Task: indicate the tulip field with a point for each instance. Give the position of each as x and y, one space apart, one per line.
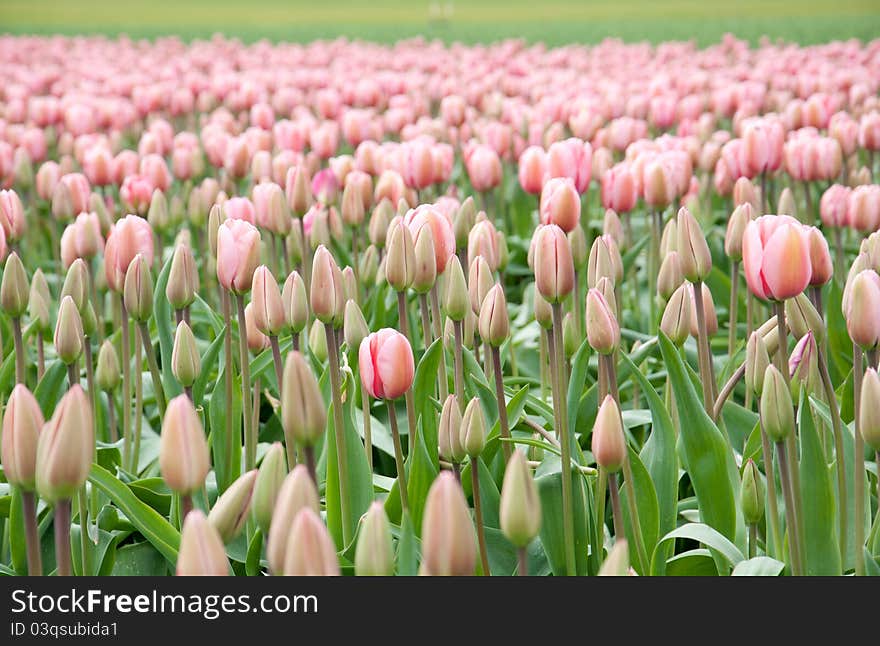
350 308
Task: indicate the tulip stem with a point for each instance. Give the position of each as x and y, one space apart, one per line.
629 483
126 384
41 356
62 537
794 541
111 418
341 455
153 366
228 369
459 363
859 468
20 366
707 372
601 486
733 312
772 506
522 561
478 516
279 369
72 374
368 434
749 317
402 315
616 511
82 509
186 506
653 267
837 428
309 454
560 408
753 540
31 533
727 390
427 336
542 358
250 433
138 403
438 334
398 457
502 406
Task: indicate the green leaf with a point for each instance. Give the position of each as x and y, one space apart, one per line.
424 382
162 317
148 522
17 543
49 390
139 559
103 555
209 364
515 406
759 566
706 451
407 549
226 454
421 472
701 533
252 563
822 551
698 562
550 491
647 509
579 368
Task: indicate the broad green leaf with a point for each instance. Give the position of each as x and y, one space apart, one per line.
647 509
424 382
420 473
703 534
698 562
209 366
51 387
139 559
407 549
226 451
17 543
759 566
550 492
515 406
103 555
252 562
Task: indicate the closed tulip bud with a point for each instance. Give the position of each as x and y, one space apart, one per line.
463 221
349 285
310 550
580 253
736 227
449 431
325 296
693 252
138 290
803 366
230 512
75 283
201 548
355 326
319 235
62 202
494 320
352 205
617 561
183 278
38 300
295 302
709 314
68 332
787 204
400 261
89 320
603 331
380 220
14 287
609 443
480 281
503 252
863 309
185 361
554 267
600 263
776 257
606 287
611 226
571 337
456 302
802 318
157 215
293 243
297 493
751 494
425 268
107 372
745 192
373 555
368 265
270 477
448 546
777 410
676 321
543 311
820 258
22 423
238 254
520 512
303 413
757 360
184 460
474 430
869 412
669 277
267 303
669 237
318 341
298 190
215 218
65 447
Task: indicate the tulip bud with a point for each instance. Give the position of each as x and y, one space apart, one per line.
379 223
230 512
464 221
736 227
14 287
325 295
676 322
802 317
617 561
669 237
298 189
355 326
310 550
215 219
352 205
494 319
474 431
609 442
693 252
543 311
295 302
183 278
571 336
787 204
579 251
303 413
107 373
62 202
449 431
777 411
757 360
22 423
270 478
138 290
267 302
373 555
520 511
751 494
448 546
669 278
709 314
425 268
201 550
600 264
293 243
554 267
603 332
400 260
611 226
65 447
75 284
38 300
368 265
349 286
157 215
863 306
318 341
820 258
803 366
869 412
480 281
297 492
186 364
68 332
89 320
184 460
456 300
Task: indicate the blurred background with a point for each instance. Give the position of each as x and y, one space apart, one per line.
552 21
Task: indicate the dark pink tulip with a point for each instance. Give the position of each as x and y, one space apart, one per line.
385 363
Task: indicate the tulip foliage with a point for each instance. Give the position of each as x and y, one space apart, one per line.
481 314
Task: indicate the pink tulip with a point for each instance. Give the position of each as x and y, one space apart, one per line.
869 131
833 205
11 216
47 178
390 186
483 168
136 193
325 186
126 162
571 158
130 236
441 232
762 146
483 241
385 363
560 204
238 254
80 191
155 168
532 168
863 208
81 239
98 166
820 257
776 257
418 171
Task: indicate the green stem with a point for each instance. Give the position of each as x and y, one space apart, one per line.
733 312
250 434
398 457
426 320
438 334
459 363
522 561
228 369
707 372
368 435
126 385
309 454
341 455
601 486
840 463
478 517
31 533
111 418
772 506
634 514
616 512
502 406
753 540
153 366
790 513
560 408
20 365
82 505
62 538
859 452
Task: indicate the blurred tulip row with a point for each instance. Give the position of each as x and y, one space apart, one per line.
341 308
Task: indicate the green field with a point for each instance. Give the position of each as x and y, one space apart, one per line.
554 22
